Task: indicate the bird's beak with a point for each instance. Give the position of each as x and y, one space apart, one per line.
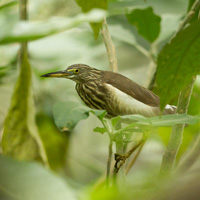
59 74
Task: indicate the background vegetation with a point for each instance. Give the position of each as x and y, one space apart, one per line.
50 143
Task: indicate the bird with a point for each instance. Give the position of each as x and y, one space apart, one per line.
113 92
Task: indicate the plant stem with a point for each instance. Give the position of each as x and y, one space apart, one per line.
110 152
23 16
195 7
109 162
177 131
109 46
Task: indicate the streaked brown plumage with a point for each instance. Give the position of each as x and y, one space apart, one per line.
113 92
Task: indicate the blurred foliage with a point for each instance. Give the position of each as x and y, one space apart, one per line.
59 35
30 181
55 142
87 5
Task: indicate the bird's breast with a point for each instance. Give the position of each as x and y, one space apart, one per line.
92 95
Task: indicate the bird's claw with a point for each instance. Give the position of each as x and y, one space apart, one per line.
120 160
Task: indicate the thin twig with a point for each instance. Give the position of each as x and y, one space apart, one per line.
177 131
23 16
134 158
120 159
109 46
189 15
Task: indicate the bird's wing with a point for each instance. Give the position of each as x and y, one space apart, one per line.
131 88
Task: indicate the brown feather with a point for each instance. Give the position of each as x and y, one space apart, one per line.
131 88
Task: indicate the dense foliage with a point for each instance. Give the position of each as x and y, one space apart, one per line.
50 142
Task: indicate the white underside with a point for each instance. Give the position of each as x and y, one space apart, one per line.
133 106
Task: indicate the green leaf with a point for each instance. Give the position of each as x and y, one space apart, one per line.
87 5
21 139
5 4
147 23
68 114
28 181
115 120
99 113
99 130
23 31
55 142
164 120
178 62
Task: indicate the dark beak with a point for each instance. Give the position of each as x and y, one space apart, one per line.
59 74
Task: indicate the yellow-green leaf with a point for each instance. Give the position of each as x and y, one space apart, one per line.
20 137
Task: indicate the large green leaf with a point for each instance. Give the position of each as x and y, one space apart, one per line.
20 136
178 62
68 114
164 120
23 31
87 5
28 181
147 23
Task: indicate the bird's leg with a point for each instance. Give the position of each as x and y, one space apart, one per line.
121 158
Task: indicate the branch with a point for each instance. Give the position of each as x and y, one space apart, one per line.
177 131
109 47
23 16
189 15
135 158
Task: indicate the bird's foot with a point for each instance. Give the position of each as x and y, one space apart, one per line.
120 160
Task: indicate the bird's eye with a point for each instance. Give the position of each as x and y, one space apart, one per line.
76 70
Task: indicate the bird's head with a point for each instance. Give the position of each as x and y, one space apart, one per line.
79 73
